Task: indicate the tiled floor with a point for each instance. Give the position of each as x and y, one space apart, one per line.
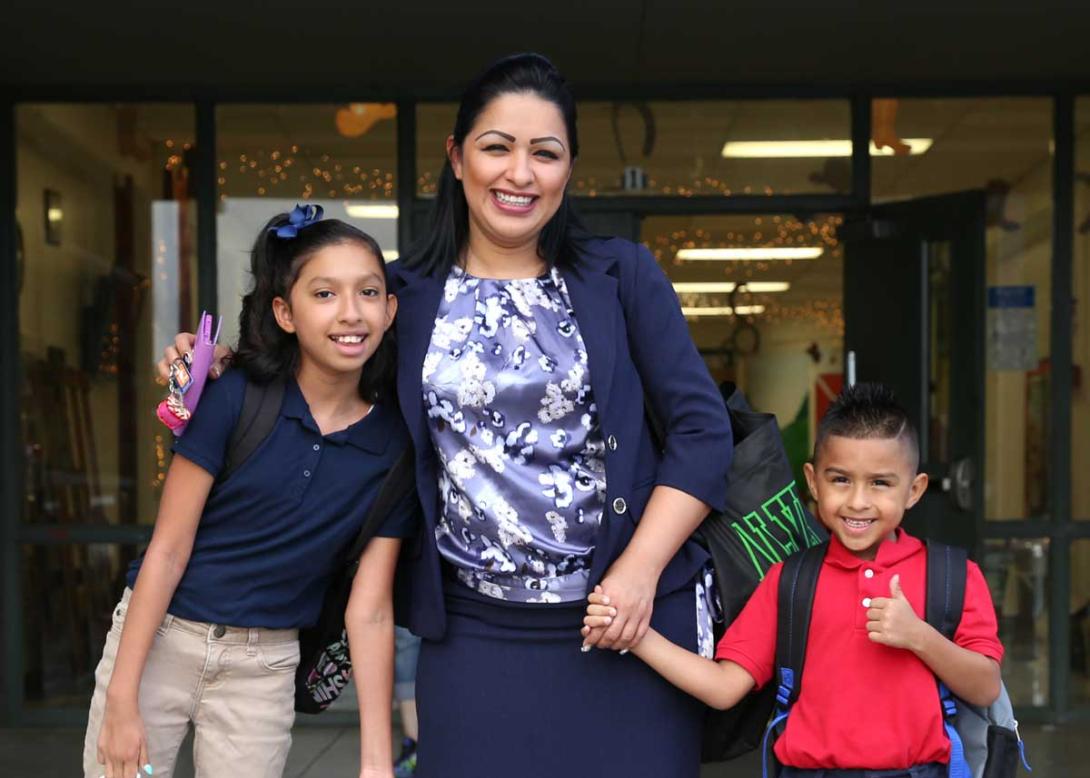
1060 752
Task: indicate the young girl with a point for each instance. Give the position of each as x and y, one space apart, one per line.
206 635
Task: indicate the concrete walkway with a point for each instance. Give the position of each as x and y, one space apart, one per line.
332 752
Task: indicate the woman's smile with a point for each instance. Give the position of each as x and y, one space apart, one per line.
513 202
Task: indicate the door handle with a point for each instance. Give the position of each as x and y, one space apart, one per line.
959 484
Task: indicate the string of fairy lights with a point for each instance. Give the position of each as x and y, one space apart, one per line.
765 232
294 171
299 171
592 186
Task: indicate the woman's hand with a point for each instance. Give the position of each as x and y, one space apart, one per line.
122 743
629 589
183 344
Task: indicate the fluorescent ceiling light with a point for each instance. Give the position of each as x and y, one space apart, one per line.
772 252
726 287
371 210
793 149
390 254
722 310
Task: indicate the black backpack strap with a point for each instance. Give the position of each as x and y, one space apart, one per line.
945 587
260 410
945 594
400 481
795 603
798 584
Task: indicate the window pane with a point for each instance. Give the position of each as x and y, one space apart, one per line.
69 592
1001 146
784 345
106 254
1080 394
434 121
692 148
689 148
270 157
1017 574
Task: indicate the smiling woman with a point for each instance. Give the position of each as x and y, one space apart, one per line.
526 349
515 177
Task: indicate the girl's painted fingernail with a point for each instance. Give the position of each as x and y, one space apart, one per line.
149 769
584 648
624 651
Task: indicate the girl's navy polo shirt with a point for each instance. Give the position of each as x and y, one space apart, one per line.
271 534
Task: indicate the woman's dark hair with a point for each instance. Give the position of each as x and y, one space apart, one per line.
560 238
265 351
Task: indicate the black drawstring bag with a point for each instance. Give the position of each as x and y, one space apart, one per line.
764 522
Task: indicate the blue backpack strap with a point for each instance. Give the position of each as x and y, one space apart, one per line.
945 601
795 603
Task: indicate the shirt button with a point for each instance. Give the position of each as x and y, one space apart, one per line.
866 602
619 505
868 573
611 441
306 474
316 447
219 631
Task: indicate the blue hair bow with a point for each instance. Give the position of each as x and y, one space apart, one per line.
301 216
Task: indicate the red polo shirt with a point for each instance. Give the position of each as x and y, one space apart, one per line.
862 705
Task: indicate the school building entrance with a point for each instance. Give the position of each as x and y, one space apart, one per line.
929 235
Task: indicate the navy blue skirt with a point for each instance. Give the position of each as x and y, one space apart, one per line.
507 692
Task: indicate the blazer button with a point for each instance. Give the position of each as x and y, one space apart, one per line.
619 506
219 631
611 441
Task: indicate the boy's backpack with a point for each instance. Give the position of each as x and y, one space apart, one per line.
325 666
984 742
764 522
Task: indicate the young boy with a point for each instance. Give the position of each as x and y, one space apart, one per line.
868 699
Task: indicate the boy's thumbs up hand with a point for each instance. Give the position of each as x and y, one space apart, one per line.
892 622
895 589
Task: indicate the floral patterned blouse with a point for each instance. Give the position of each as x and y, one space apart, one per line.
512 417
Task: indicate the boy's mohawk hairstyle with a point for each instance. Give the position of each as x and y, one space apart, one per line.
867 411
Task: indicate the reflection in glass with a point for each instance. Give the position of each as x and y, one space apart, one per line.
69 592
105 280
688 148
1018 577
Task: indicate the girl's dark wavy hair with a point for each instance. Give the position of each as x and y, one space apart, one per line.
446 237
265 351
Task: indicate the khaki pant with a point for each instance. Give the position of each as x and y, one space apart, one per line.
235 686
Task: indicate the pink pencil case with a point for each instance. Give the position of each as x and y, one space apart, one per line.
188 376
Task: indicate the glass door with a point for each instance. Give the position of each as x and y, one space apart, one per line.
914 315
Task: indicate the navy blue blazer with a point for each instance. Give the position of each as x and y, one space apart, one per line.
637 344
